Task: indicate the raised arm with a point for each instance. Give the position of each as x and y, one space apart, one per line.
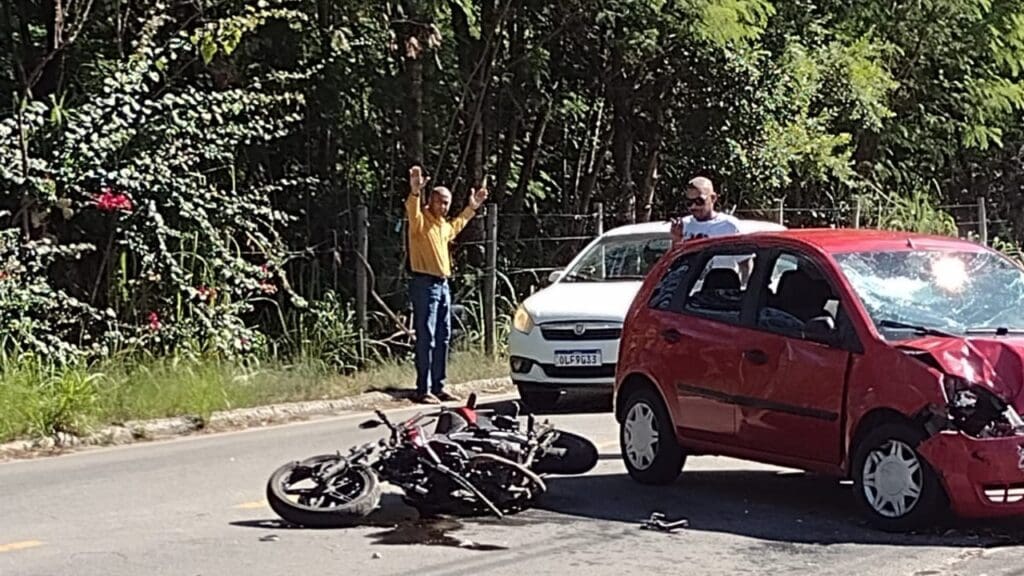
460 221
476 200
414 203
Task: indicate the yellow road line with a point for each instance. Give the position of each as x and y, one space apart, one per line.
13 546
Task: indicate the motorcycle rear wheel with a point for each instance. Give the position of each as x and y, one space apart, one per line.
351 496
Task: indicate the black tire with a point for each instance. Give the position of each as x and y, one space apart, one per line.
669 456
920 512
363 501
537 398
580 456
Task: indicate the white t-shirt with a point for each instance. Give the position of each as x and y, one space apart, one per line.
718 225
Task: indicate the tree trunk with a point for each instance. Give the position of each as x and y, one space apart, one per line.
507 153
622 142
53 64
16 56
476 60
517 205
413 50
589 186
414 112
645 196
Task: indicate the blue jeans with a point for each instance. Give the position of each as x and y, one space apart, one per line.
432 306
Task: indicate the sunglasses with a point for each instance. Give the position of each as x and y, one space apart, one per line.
698 201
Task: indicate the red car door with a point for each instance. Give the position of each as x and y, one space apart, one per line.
791 385
703 364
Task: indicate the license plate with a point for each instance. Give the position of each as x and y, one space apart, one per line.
573 358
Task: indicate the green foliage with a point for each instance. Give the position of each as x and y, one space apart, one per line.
911 211
327 334
727 21
193 246
37 316
186 183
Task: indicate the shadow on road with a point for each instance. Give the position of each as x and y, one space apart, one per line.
570 405
785 507
391 511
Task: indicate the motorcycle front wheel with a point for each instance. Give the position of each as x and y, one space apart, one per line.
297 495
579 457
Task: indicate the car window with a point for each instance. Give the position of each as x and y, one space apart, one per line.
960 292
719 290
797 292
665 291
619 258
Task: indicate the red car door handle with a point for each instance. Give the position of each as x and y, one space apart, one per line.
756 357
671 335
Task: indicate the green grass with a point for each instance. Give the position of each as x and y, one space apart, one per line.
37 399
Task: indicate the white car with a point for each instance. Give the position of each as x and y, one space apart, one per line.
565 338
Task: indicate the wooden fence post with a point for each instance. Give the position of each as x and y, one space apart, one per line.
982 221
600 217
782 211
363 249
856 213
491 279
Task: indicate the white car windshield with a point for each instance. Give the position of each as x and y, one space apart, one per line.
909 293
619 258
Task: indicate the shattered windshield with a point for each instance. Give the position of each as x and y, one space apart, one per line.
619 258
954 292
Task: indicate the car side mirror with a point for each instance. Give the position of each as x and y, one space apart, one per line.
555 276
821 329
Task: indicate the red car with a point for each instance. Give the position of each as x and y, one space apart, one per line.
892 359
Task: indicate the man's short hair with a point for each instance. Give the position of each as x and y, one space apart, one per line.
701 184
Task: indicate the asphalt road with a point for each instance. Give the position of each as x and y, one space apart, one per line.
195 506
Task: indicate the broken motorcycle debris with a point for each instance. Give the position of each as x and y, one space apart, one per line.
657 522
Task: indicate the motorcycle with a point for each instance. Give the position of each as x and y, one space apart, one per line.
474 463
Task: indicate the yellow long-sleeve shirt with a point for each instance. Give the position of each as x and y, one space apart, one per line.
429 237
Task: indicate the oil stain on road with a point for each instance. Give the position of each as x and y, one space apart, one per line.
430 532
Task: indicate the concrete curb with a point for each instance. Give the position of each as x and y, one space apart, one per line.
238 419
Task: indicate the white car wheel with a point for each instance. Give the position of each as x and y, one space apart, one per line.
894 484
892 479
641 436
647 439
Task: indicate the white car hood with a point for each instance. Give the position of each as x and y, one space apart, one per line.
575 301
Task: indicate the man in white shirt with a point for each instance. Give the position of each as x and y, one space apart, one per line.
703 221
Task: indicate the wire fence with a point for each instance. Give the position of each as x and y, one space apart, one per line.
369 258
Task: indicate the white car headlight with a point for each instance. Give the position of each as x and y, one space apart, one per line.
522 321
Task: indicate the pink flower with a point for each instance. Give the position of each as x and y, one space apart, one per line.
267 288
154 321
205 294
110 201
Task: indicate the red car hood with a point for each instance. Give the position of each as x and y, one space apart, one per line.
995 363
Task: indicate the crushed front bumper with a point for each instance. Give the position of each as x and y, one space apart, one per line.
983 477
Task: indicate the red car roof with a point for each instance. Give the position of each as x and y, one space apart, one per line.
840 240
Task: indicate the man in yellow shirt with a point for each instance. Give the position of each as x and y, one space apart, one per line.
430 233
